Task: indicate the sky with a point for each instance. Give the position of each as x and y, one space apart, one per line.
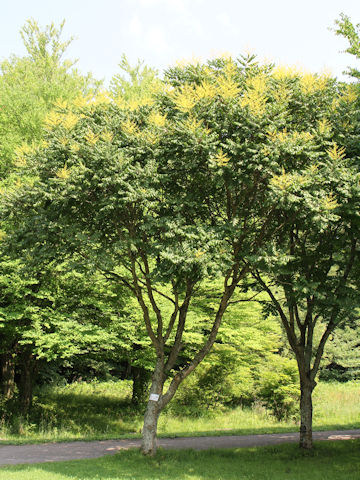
160 32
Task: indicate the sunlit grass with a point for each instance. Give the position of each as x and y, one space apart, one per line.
100 410
328 460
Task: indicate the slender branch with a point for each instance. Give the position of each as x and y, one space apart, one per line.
154 305
146 316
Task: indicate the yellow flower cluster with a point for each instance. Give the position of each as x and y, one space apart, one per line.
91 137
157 119
67 120
20 154
205 90
193 125
107 136
336 152
324 127
184 98
227 85
283 181
289 137
285 72
129 127
255 97
63 173
350 95
221 158
330 202
310 83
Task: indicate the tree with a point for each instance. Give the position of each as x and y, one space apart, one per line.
352 34
160 198
182 188
30 85
307 268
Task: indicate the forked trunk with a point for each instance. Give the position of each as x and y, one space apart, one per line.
306 410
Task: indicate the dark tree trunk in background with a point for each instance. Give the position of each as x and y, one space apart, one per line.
7 375
26 381
141 383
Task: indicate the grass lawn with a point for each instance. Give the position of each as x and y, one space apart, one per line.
328 460
90 411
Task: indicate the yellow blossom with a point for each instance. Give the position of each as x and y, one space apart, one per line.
63 173
284 72
184 98
61 104
43 144
205 90
53 119
283 181
149 137
336 152
350 95
79 102
227 84
330 202
324 127
102 98
157 119
255 97
221 158
69 121
120 102
91 137
129 127
199 253
107 136
63 141
192 124
310 83
75 147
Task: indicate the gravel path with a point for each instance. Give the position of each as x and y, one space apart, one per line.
55 452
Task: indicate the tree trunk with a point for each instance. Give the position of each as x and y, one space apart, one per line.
141 380
7 375
153 410
26 381
306 411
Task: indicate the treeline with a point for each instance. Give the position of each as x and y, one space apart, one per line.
136 222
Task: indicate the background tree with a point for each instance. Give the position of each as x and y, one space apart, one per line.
30 85
346 29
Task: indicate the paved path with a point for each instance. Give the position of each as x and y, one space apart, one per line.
55 452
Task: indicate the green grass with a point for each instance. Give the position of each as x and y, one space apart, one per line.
90 411
330 460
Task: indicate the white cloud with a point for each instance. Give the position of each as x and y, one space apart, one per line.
135 26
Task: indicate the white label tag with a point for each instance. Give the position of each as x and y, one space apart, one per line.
154 397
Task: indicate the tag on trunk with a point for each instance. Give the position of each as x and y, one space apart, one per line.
154 397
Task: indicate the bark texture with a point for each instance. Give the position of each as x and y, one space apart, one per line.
7 375
153 410
306 411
